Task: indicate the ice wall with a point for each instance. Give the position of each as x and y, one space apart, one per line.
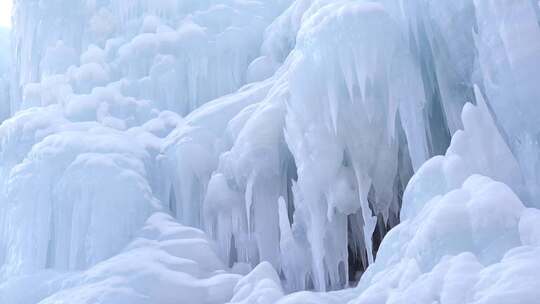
293 134
368 93
466 236
508 66
79 167
4 73
178 54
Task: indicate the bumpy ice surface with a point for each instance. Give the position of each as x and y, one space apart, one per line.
270 151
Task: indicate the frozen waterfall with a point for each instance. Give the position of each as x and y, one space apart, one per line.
270 151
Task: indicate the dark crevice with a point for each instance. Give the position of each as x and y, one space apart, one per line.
49 262
233 253
437 126
172 201
291 170
380 231
310 285
357 254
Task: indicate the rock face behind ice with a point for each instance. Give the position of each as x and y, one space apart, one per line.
291 135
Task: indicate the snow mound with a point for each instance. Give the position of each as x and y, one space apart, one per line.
164 260
464 238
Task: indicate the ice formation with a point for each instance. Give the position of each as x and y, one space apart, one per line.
4 75
270 151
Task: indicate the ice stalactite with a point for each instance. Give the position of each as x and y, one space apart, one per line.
408 80
337 170
298 137
164 259
47 198
308 121
178 54
446 203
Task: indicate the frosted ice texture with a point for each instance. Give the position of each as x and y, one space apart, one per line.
291 135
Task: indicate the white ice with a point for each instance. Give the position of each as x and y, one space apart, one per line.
270 151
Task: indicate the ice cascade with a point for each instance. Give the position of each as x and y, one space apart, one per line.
270 151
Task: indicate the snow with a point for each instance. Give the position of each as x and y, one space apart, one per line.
270 151
260 286
165 259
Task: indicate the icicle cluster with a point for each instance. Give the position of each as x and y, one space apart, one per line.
293 135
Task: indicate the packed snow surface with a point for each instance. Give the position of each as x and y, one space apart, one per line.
270 151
